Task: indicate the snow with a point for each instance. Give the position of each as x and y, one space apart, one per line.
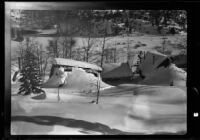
146 108
49 31
161 75
74 63
78 79
60 130
116 72
119 42
164 76
148 65
154 109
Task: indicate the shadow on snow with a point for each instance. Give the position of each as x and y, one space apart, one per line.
86 127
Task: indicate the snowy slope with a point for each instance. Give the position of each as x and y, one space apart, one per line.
125 109
152 109
153 42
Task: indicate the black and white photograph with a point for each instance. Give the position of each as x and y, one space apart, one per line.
79 71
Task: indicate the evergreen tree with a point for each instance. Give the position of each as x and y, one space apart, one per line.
31 78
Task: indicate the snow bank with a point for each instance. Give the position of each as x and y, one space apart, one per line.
166 76
57 78
78 79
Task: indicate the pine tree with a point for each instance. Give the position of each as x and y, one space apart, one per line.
31 78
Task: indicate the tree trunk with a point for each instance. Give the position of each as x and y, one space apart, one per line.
56 44
114 55
87 54
88 49
70 48
103 48
41 63
38 56
64 49
45 66
19 63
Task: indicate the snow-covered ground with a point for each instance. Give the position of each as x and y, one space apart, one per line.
149 107
126 109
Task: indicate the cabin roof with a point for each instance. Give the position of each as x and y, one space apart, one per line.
75 63
117 71
154 52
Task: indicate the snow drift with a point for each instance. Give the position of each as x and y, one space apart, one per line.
153 109
171 75
158 70
56 79
78 79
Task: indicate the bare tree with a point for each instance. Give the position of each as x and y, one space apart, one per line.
67 27
53 49
88 30
88 45
106 31
103 50
110 54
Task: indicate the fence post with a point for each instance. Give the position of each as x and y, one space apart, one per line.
98 88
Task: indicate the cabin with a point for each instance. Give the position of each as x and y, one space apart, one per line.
68 64
74 75
152 61
116 72
140 63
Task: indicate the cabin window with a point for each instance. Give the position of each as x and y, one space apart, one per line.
92 72
68 69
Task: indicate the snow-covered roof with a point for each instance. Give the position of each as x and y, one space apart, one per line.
49 31
75 63
174 26
110 66
120 71
156 53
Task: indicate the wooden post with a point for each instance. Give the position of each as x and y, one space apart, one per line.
98 88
